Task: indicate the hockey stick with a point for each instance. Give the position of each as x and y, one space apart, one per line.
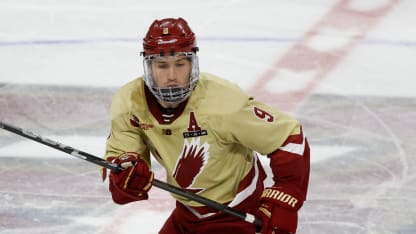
162 185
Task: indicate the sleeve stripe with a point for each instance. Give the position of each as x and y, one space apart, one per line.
295 148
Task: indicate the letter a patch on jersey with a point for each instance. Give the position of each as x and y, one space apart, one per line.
194 130
190 163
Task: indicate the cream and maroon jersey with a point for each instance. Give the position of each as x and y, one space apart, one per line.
208 148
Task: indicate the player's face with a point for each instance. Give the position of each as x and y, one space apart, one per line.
171 71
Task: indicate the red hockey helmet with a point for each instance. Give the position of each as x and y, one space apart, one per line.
168 36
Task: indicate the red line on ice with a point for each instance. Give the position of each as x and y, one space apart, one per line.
316 63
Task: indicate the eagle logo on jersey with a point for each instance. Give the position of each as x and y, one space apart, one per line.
190 163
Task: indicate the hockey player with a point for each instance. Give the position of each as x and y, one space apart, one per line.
206 133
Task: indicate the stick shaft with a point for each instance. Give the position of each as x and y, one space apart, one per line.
102 162
61 147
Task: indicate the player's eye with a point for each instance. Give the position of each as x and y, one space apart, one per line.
162 65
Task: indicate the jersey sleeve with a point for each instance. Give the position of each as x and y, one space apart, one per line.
280 137
258 126
273 133
290 164
123 137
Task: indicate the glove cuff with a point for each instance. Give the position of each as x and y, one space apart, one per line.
284 197
122 197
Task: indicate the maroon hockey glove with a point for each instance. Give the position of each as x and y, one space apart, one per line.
279 210
133 183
